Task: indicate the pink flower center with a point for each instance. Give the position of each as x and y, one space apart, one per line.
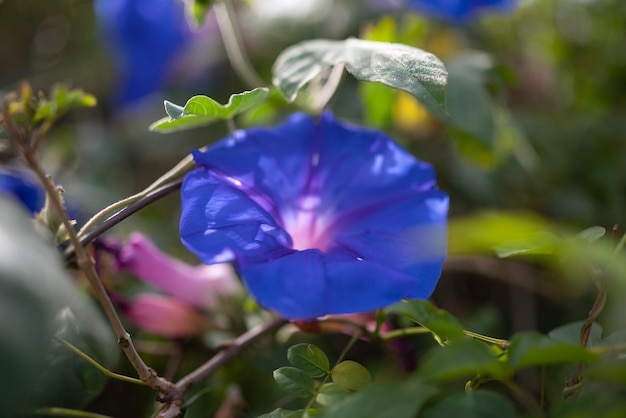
306 226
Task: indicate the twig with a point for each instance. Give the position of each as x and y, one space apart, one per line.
123 214
403 332
85 263
182 167
174 398
97 365
225 14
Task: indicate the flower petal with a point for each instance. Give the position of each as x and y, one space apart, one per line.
409 236
460 10
309 284
18 184
220 223
166 316
201 286
322 217
272 165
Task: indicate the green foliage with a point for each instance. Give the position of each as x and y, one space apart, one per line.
399 66
284 413
69 381
37 297
398 399
444 326
62 99
295 381
309 358
202 110
331 393
462 358
351 375
472 404
196 11
533 349
40 111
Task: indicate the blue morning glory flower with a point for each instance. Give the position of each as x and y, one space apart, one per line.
320 216
460 10
144 37
19 185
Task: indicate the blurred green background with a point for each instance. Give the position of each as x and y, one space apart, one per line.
538 124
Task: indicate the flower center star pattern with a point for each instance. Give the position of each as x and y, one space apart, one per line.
320 216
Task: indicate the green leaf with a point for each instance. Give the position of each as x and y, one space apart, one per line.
69 381
467 100
295 381
351 375
309 358
605 402
571 333
284 413
532 349
395 65
34 289
612 371
441 323
461 359
616 337
61 100
592 233
472 404
505 233
331 393
398 400
202 111
197 10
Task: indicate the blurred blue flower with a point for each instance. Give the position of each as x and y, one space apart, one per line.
19 185
143 37
460 10
321 217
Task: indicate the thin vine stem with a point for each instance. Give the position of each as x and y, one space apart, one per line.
123 214
422 330
97 365
226 21
180 169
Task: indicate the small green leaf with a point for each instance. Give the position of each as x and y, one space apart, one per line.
295 381
331 393
61 100
439 322
461 358
571 333
197 10
351 375
398 400
310 359
173 110
202 111
284 413
396 65
472 404
532 349
70 381
592 233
